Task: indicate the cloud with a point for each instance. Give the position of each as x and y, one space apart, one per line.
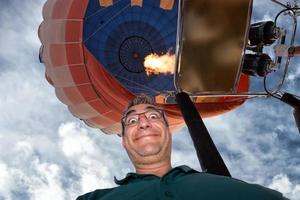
282 183
6 182
257 142
19 23
46 183
46 153
85 158
75 141
251 140
26 176
293 76
260 13
58 169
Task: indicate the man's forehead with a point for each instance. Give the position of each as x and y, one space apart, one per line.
140 108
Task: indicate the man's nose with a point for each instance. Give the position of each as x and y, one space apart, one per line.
143 122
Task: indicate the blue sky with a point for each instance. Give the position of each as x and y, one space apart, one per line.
46 153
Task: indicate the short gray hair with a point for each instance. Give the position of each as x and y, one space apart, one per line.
141 99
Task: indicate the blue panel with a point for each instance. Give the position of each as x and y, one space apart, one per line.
120 36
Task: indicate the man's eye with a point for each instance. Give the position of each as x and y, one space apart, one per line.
153 116
131 121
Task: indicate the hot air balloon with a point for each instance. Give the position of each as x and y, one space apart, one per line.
94 53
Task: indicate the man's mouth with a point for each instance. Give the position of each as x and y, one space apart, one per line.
145 135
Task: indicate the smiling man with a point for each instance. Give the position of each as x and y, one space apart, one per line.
147 139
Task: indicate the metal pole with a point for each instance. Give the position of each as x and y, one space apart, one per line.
208 155
293 101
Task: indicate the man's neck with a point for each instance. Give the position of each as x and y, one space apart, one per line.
155 169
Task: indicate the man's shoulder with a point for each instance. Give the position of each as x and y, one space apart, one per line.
241 188
97 194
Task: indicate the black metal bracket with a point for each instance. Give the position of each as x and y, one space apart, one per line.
208 155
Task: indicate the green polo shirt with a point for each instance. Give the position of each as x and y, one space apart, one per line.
182 183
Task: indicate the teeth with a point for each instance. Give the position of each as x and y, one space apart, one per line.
141 136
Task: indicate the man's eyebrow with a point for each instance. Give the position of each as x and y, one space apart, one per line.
130 111
151 107
134 111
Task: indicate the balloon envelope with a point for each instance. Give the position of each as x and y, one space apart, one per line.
94 52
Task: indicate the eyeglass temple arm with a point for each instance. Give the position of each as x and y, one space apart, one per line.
207 153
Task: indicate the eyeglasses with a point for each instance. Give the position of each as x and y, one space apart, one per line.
133 119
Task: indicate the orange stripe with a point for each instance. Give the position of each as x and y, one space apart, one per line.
79 74
65 9
99 122
54 31
69 96
105 3
60 76
67 76
74 31
137 3
88 92
78 9
76 94
167 4
59 92
113 129
63 54
83 111
88 110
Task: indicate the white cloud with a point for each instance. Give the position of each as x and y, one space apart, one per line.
45 153
41 168
282 183
6 182
75 140
295 74
46 183
36 179
19 24
88 160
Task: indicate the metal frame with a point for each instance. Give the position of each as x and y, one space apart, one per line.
294 14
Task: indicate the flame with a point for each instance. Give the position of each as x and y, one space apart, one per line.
156 64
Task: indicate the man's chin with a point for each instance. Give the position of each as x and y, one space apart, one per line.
148 150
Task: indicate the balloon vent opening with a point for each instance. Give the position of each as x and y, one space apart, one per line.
132 53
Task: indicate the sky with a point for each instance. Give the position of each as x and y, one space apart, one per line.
46 153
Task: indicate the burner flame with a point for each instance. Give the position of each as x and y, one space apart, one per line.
160 64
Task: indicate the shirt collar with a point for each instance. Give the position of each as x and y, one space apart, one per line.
134 176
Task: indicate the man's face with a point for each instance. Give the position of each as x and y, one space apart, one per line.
146 140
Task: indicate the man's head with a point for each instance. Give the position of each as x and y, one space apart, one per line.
146 135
